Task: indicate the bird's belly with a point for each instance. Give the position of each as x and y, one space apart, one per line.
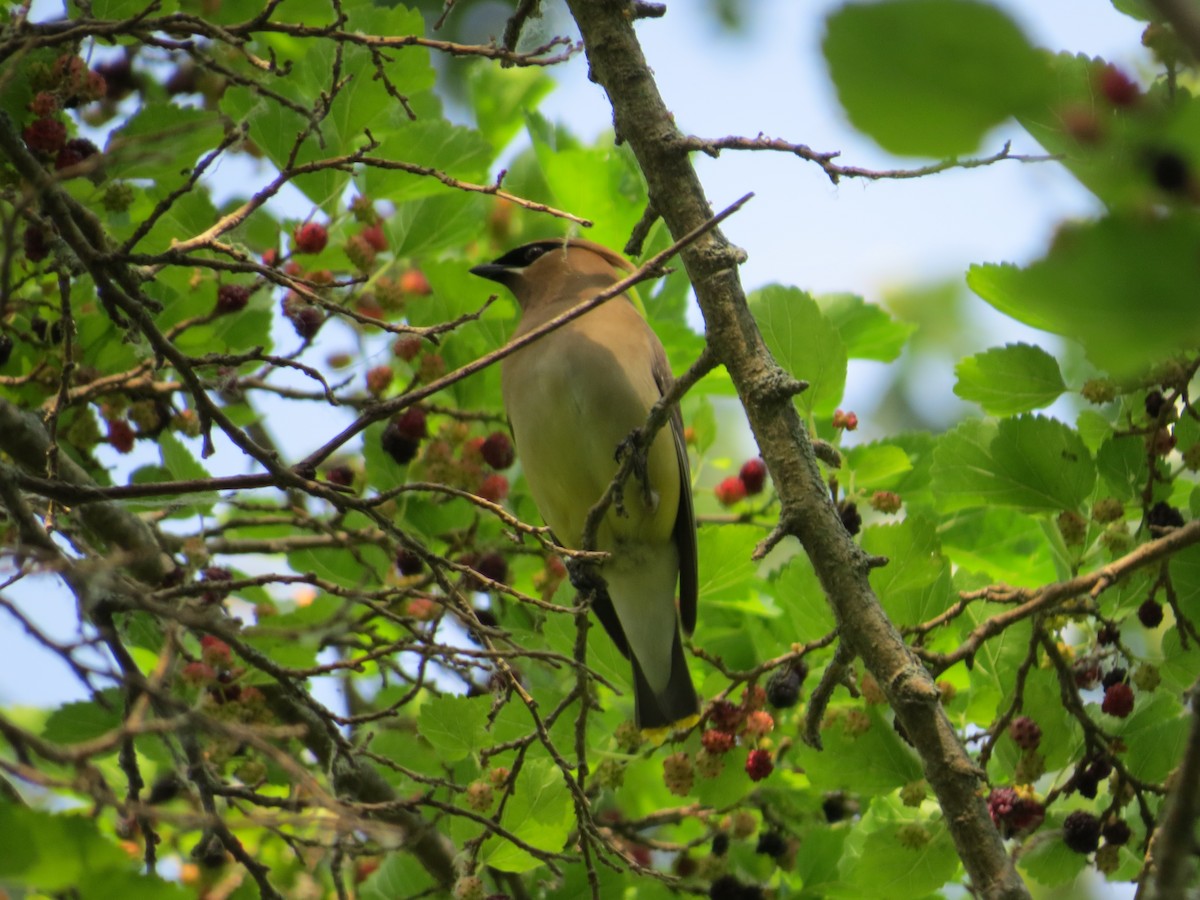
567 429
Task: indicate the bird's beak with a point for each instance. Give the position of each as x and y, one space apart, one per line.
492 272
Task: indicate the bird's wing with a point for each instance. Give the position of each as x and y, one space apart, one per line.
685 516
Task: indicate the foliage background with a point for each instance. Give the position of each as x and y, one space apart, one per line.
1000 522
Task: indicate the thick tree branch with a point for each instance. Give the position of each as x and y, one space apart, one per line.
643 120
24 439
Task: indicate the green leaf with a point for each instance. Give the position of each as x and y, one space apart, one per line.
875 467
726 569
1137 9
1029 462
805 342
601 183
160 144
540 813
931 77
501 97
1156 733
54 852
456 726
434 144
915 585
874 761
1051 862
1121 462
74 723
1005 544
1082 289
426 226
876 862
866 329
1015 378
400 875
800 593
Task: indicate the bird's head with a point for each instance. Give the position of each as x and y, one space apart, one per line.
556 268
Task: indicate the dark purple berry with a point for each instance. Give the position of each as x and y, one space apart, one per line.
850 517
232 298
1115 676
1150 613
720 844
408 563
1116 832
497 450
37 245
726 888
1012 813
1087 785
771 843
783 687
74 152
1118 701
398 445
1154 403
6 349
1108 634
1170 173
343 476
1163 515
411 423
836 807
1081 831
493 566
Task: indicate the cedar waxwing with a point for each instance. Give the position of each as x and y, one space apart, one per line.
572 397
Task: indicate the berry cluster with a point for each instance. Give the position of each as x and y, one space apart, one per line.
749 481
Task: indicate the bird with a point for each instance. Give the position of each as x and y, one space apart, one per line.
572 398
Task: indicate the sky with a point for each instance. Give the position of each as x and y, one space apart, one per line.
861 237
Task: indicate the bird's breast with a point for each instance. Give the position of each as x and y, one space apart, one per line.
571 400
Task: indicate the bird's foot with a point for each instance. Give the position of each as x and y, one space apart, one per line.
634 447
585 577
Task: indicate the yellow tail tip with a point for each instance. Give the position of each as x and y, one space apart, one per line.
657 736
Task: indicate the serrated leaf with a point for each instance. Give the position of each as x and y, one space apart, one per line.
53 852
500 99
878 862
1082 288
876 760
867 330
875 467
456 726
1008 545
915 585
1121 462
797 589
890 65
540 813
1029 462
74 723
1051 862
726 569
1012 379
434 144
1156 733
805 343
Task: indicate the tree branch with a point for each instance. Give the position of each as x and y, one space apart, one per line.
643 120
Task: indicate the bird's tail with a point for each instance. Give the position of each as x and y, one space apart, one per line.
676 706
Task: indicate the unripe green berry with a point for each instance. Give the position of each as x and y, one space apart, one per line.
913 793
1107 509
